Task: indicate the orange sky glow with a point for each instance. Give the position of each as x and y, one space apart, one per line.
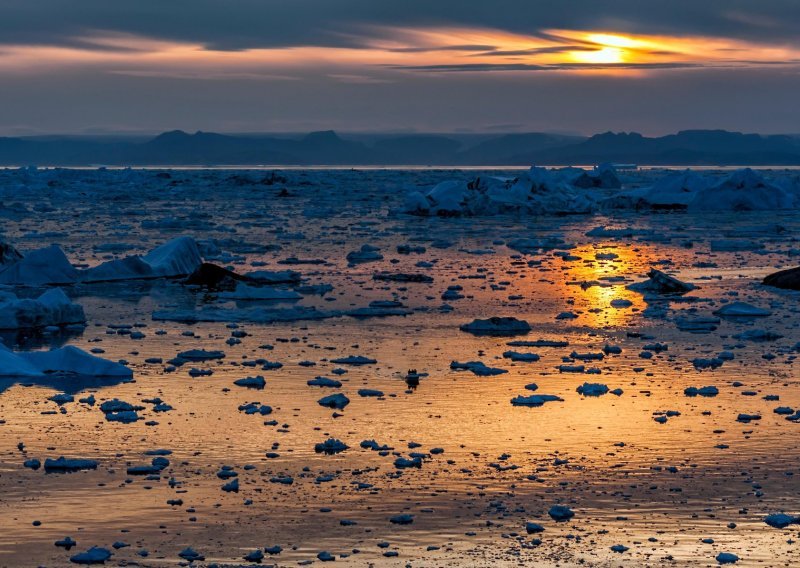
442 49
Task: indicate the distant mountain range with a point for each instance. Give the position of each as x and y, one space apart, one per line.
177 148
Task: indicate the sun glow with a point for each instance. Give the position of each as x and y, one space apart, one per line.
607 55
614 40
611 49
378 52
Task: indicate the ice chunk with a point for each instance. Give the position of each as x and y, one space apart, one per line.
477 368
367 253
535 399
354 360
727 558
323 382
702 391
53 308
337 401
330 446
560 513
781 520
497 326
520 357
660 283
63 464
94 555
592 389
741 309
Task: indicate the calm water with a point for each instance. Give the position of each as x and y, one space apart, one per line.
627 477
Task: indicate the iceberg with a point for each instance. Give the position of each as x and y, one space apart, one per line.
743 190
538 191
178 257
70 360
67 360
128 268
742 310
674 191
175 258
41 267
661 283
53 308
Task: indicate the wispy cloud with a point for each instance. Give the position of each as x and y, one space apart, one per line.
367 54
484 67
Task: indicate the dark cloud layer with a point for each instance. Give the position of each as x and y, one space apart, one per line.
240 24
469 83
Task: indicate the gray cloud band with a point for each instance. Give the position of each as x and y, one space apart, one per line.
218 24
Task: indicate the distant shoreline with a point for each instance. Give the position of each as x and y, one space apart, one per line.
388 167
329 150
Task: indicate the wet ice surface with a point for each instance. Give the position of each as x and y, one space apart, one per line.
450 472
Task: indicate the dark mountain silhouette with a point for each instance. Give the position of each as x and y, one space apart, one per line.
689 147
424 149
504 148
327 148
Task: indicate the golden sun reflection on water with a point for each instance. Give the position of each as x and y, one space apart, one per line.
596 281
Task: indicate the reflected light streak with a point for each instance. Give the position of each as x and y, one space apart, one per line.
594 297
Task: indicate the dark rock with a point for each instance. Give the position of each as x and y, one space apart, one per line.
786 279
215 277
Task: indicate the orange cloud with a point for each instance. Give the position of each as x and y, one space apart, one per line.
381 49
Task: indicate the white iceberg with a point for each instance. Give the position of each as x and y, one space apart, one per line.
53 308
128 268
41 267
538 191
12 365
67 360
743 190
742 309
674 191
178 257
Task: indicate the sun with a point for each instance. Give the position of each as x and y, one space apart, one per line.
613 40
604 55
605 49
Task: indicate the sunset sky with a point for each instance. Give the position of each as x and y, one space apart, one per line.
357 65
